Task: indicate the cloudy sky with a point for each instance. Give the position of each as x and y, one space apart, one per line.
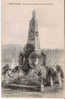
50 16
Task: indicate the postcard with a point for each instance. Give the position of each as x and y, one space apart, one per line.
32 49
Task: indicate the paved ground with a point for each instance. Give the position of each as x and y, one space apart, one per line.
48 93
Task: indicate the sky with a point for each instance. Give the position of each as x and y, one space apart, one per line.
50 17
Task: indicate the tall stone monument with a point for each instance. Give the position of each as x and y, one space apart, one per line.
33 55
33 34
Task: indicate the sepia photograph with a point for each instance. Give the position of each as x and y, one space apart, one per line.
32 49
